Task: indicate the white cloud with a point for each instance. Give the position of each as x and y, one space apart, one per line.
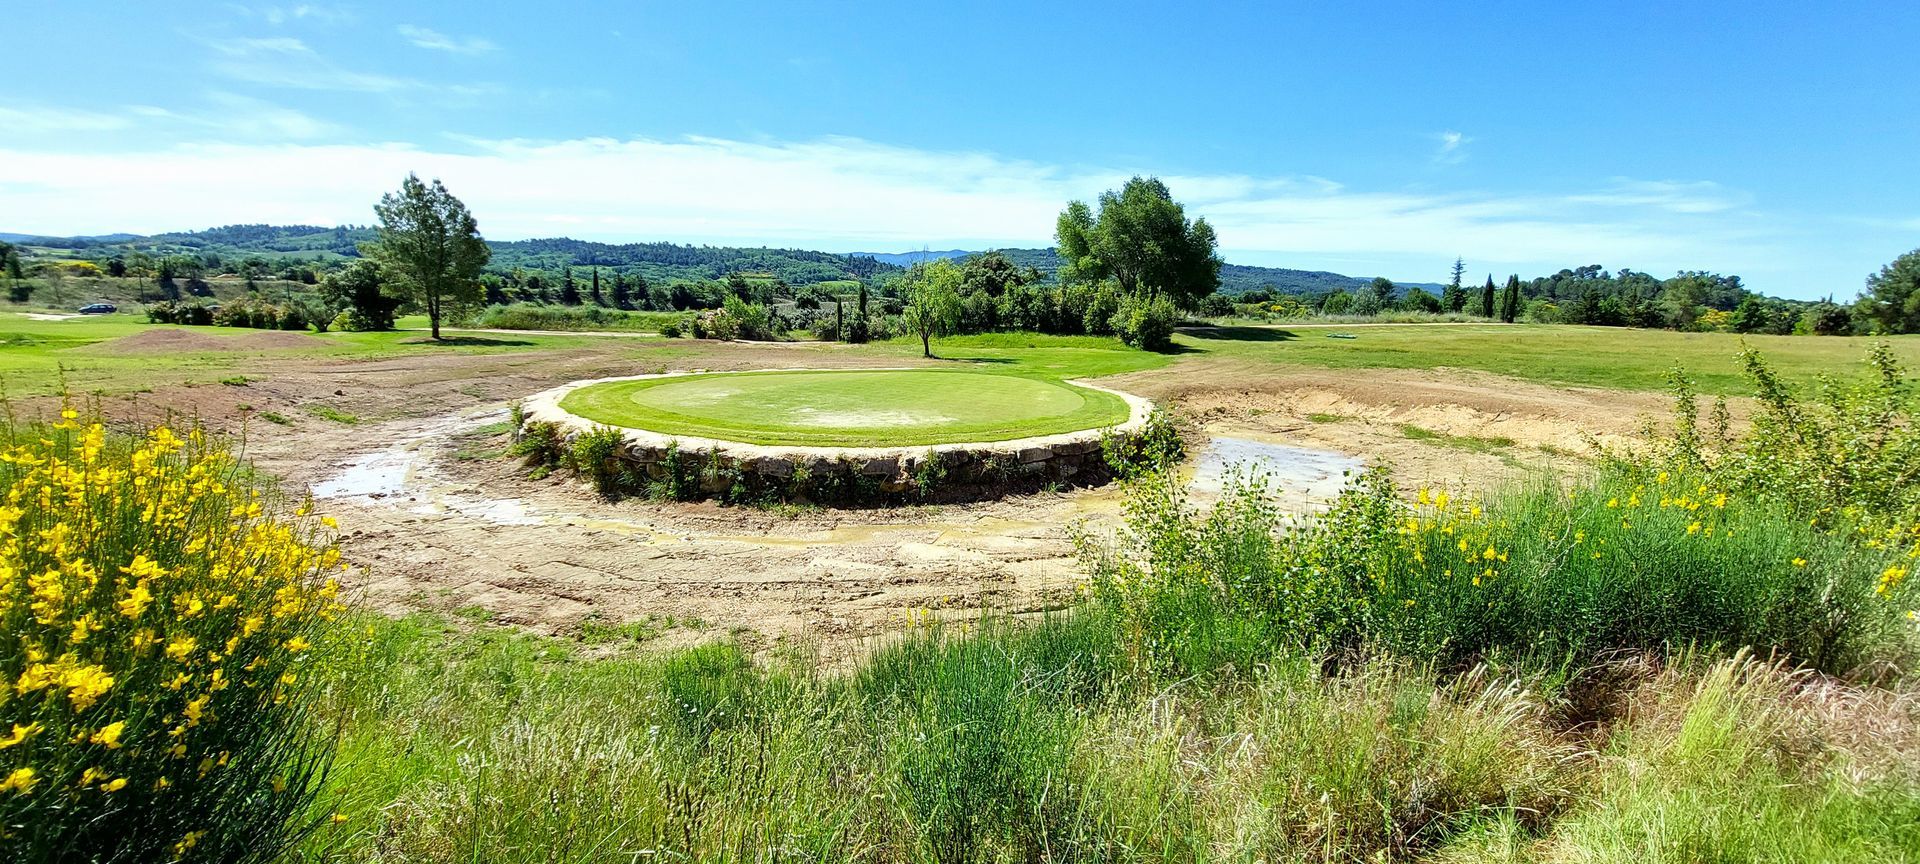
1700 196
1450 150
285 61
434 40
41 119
304 12
843 193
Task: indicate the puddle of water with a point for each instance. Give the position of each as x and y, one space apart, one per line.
1317 475
374 475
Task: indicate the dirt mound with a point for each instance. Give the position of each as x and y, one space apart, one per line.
172 340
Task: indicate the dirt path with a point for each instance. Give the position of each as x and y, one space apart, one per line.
435 519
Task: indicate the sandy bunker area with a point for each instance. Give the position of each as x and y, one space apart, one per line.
436 518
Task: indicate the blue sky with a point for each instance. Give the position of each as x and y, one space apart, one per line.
1773 140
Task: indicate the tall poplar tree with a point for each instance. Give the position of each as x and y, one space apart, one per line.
1510 300
1486 298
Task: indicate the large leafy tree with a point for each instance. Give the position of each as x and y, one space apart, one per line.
1142 239
358 289
1892 300
933 303
430 247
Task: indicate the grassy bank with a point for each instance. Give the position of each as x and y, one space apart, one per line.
1022 743
1237 687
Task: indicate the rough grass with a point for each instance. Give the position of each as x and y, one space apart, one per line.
850 408
42 358
1033 741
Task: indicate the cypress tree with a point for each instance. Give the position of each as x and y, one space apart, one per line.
569 292
621 299
1510 302
1486 298
598 298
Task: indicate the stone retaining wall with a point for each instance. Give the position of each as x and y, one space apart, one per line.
967 470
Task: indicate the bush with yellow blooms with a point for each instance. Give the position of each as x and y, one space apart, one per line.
160 614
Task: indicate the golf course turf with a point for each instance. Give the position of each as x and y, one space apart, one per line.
851 408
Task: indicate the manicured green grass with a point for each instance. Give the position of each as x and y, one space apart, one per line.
1613 357
1064 357
911 407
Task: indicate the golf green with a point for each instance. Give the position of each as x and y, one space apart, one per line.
851 408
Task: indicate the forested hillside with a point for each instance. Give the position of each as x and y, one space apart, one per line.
1235 278
657 262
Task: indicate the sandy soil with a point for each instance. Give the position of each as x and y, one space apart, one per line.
435 520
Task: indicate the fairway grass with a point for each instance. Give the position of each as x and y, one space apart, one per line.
1611 357
849 408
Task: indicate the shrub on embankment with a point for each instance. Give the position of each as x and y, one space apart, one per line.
616 468
158 614
1539 573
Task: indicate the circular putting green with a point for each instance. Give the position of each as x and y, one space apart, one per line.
851 408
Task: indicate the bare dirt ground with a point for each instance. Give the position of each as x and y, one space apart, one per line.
437 519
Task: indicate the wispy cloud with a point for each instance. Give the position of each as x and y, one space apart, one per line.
285 61
304 12
848 193
1451 149
1698 196
434 40
42 119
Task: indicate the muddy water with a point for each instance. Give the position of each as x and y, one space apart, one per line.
405 475
1298 475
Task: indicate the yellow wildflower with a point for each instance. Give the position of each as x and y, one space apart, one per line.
20 733
109 735
19 782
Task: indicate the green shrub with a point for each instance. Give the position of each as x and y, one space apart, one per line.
540 445
596 454
1849 456
1146 324
159 615
1540 573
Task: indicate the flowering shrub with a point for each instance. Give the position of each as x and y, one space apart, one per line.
157 621
1849 457
1615 564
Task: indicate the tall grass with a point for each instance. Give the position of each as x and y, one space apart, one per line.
157 615
1537 572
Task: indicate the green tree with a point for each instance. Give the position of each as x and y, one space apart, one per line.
1510 300
1682 298
1454 298
1486 298
933 302
1418 300
1892 299
1142 239
599 299
360 289
569 292
858 331
622 297
430 246
1382 289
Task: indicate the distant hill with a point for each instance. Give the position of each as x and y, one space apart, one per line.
655 261
908 259
1237 278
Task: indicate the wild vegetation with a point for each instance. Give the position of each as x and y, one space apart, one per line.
162 614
